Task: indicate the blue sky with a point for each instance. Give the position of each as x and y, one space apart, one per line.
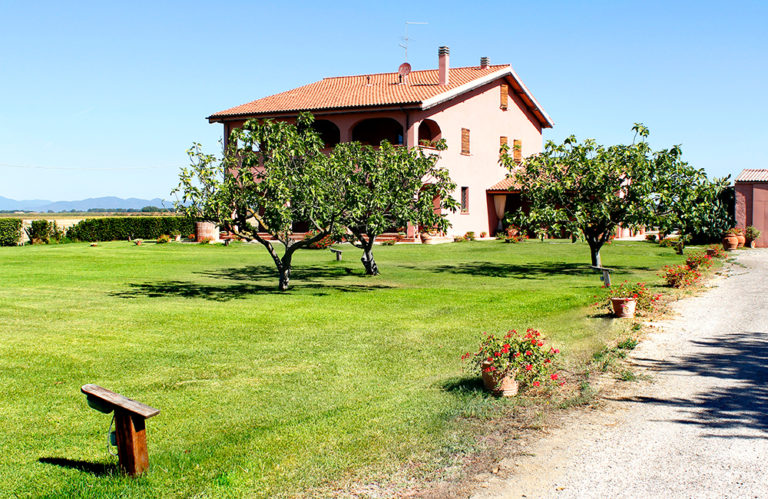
104 98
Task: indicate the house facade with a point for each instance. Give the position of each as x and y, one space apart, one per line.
475 109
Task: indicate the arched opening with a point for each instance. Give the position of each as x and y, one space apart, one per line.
429 133
328 131
372 131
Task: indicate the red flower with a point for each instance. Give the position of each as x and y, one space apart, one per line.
497 354
547 361
528 352
541 343
517 354
557 350
554 377
490 359
528 367
536 383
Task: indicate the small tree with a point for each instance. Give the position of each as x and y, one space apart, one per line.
390 186
586 189
272 175
687 201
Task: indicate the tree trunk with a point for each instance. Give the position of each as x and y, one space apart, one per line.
368 262
285 270
594 248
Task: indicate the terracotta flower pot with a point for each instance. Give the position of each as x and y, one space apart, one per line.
426 238
751 243
730 242
503 386
624 307
742 240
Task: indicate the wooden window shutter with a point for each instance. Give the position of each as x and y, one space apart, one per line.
465 199
465 141
502 142
504 95
518 148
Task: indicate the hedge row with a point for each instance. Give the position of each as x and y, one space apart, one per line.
10 231
117 228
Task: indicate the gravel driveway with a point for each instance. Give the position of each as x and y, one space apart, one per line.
698 428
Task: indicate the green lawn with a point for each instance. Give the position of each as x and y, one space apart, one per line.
265 393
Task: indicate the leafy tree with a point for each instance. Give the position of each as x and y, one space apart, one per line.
587 189
390 186
271 176
687 201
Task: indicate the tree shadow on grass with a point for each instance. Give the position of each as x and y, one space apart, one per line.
466 384
96 469
739 358
517 271
311 280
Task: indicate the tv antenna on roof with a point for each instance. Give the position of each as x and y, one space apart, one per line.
405 38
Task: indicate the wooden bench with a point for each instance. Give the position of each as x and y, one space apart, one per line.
606 277
337 253
129 425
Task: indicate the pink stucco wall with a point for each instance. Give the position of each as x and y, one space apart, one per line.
752 209
479 111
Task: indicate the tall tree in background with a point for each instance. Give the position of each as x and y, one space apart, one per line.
271 176
391 186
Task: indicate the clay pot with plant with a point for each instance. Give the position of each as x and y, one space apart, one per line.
731 239
751 234
514 361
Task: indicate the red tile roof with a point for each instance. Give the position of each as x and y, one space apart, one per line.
384 89
753 176
508 184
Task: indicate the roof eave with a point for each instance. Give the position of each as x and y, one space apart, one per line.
220 118
541 115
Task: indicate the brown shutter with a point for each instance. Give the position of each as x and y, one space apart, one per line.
465 141
518 147
502 142
504 95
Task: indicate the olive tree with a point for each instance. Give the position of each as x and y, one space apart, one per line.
390 186
272 175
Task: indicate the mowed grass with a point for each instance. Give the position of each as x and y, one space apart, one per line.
263 393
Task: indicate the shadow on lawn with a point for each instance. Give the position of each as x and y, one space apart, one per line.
739 358
527 271
467 384
96 469
306 280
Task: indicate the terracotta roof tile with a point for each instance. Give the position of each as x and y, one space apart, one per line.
753 176
507 184
373 90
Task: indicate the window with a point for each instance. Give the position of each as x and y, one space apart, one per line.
502 142
504 96
465 199
518 153
465 141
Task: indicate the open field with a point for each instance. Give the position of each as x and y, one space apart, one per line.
266 393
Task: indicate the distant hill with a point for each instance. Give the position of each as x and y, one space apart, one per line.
108 203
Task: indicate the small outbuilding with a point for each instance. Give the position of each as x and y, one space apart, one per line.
752 202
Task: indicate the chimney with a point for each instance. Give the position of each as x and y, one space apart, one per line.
485 62
442 57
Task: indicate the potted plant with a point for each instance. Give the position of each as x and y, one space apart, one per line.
741 238
751 234
176 235
731 239
628 298
514 361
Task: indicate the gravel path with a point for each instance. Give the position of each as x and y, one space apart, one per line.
699 428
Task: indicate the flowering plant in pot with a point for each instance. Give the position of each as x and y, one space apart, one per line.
515 360
680 276
627 298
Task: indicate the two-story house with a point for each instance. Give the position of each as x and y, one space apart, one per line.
475 109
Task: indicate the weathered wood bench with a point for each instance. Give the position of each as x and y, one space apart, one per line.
606 277
337 252
129 425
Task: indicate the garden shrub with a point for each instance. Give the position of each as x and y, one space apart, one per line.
43 231
323 243
388 242
470 236
650 238
699 260
680 276
669 242
117 228
10 231
164 238
644 297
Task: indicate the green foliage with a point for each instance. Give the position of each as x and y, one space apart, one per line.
751 233
698 260
10 231
386 188
163 239
680 276
651 238
645 298
43 231
324 243
470 236
272 176
117 228
669 242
